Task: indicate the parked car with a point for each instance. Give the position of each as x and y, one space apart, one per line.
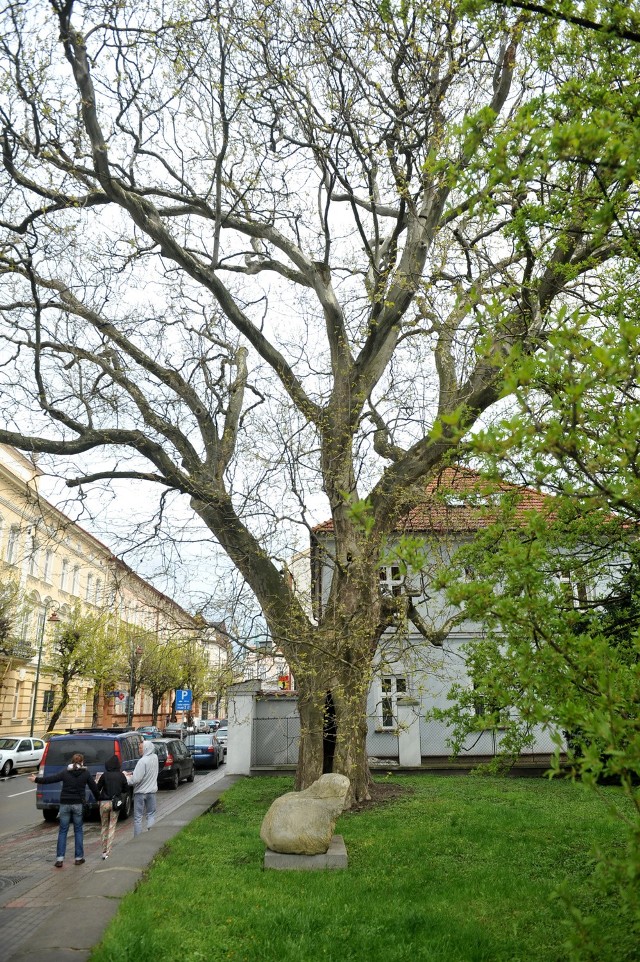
97 745
149 732
212 724
221 735
175 730
175 764
56 731
206 750
19 753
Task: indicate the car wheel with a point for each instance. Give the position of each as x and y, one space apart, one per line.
49 814
6 768
217 761
125 811
192 776
174 780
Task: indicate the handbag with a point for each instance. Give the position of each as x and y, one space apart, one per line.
116 803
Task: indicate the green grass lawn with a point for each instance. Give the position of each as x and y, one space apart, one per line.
460 869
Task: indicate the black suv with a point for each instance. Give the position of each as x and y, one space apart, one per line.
97 745
175 764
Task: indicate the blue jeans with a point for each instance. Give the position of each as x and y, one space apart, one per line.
143 801
66 814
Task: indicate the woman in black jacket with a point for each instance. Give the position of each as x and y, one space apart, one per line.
112 783
75 779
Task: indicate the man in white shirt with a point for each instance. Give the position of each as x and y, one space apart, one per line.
144 779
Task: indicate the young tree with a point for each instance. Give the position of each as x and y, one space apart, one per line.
162 672
253 252
104 663
193 668
68 655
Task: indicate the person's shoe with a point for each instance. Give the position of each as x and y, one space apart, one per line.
58 863
105 855
79 861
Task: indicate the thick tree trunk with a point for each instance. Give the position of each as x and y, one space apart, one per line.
347 692
310 754
350 756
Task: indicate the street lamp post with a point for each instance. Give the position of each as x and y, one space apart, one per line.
53 618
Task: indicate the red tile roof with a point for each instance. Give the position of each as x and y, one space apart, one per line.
459 499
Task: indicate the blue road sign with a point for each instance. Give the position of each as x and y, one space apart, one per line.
184 699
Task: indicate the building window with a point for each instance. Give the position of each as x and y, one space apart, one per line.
17 695
392 686
89 591
391 580
487 707
75 580
48 565
33 558
12 544
98 595
81 704
573 588
24 627
64 574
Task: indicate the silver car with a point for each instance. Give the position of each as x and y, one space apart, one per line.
221 735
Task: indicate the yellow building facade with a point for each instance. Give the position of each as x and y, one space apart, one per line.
52 567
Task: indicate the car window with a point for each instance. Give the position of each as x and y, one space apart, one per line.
160 750
130 746
25 745
37 743
95 750
180 750
8 743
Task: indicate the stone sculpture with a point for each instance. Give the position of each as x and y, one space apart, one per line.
302 823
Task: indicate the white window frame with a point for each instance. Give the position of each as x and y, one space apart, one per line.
577 591
81 704
89 590
16 701
34 557
12 544
64 574
48 565
391 580
75 579
391 686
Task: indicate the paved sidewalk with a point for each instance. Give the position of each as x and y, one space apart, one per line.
60 914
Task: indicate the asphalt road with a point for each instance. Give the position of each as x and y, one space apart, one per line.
17 804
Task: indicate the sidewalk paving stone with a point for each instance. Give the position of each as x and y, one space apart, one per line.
60 915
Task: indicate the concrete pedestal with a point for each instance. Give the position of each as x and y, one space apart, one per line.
334 857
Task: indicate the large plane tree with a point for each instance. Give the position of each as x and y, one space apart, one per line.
258 250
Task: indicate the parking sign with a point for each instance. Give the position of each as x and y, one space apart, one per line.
184 699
